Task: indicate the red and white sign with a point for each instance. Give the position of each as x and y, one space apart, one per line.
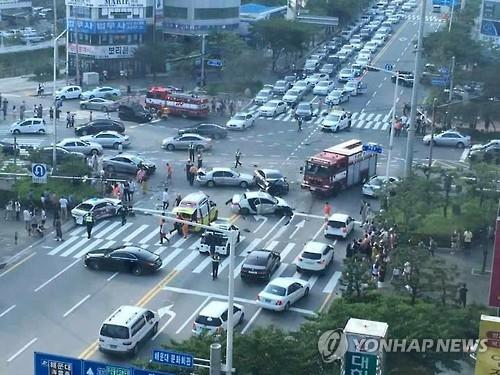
104 52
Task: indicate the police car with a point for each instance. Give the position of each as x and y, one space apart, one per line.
219 240
99 208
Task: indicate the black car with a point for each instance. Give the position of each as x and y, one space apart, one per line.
405 78
260 265
271 181
134 112
99 125
8 147
44 155
206 130
127 164
124 258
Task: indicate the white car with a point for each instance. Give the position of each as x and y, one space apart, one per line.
259 203
357 44
69 92
394 19
263 96
105 92
212 319
336 120
337 97
363 60
315 257
323 88
375 184
371 46
241 121
293 96
303 85
448 138
313 79
99 208
355 87
273 108
32 125
79 145
379 39
282 292
339 225
345 75
108 138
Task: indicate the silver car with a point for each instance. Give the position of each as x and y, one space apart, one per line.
224 176
99 104
448 138
79 145
108 139
183 141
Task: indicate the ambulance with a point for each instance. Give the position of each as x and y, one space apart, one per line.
198 208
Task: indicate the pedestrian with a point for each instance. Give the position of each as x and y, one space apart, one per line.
189 164
68 119
192 174
178 200
58 113
424 127
467 239
17 209
165 199
163 232
72 120
191 152
126 191
169 173
462 295
123 215
132 188
237 158
363 211
43 200
22 109
327 210
40 111
27 220
299 122
199 157
185 230
34 222
89 222
51 113
231 108
14 112
454 239
43 217
9 209
63 204
432 246
90 116
215 265
58 227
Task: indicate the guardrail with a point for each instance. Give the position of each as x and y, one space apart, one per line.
30 47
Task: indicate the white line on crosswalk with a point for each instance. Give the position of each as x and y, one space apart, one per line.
155 232
237 270
280 270
288 248
184 263
171 256
107 229
271 245
287 117
75 247
204 264
179 242
354 115
136 232
368 125
377 117
280 116
386 117
224 264
63 245
370 116
318 120
79 230
362 116
86 249
312 280
330 286
360 124
119 230
252 245
385 126
159 250
195 245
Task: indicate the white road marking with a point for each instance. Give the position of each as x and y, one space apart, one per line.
252 245
192 316
56 275
76 306
385 126
237 270
360 124
362 116
204 264
280 270
464 155
75 247
312 216
377 117
184 263
264 220
252 319
5 312
179 242
171 256
112 276
288 248
319 231
63 245
330 286
374 93
312 281
107 229
16 354
387 116
271 245
377 125
160 250
87 248
273 228
135 232
279 232
195 244
119 230
368 125
155 232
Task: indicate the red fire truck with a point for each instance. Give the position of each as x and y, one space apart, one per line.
339 167
172 102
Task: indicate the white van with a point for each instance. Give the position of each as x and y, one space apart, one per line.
339 225
126 329
213 318
30 125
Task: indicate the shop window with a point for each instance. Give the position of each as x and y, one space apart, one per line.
175 12
216 13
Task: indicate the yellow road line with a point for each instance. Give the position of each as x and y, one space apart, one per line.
17 264
325 302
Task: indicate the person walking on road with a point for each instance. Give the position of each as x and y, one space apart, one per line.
123 214
191 152
89 222
327 210
178 199
199 157
299 123
17 210
192 174
163 232
237 158
68 119
63 204
215 265
58 229
170 171
22 109
185 230
27 220
165 199
462 295
189 164
467 239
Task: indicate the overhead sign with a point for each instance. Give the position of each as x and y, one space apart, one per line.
107 3
173 358
372 147
106 27
104 52
39 173
452 3
440 81
388 67
51 364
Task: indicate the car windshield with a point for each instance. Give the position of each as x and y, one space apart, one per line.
376 181
275 289
208 321
308 255
317 170
280 83
323 84
143 254
345 71
114 331
239 117
294 92
304 107
335 94
273 175
85 206
336 224
333 118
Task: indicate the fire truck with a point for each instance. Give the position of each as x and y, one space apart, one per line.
172 102
339 167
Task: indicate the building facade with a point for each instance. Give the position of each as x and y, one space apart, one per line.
200 16
489 23
104 34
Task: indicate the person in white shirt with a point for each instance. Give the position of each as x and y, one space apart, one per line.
165 199
63 204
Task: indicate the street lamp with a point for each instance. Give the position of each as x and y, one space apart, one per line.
54 154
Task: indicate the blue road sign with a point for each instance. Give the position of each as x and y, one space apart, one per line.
39 173
50 364
372 147
443 70
439 81
96 368
389 67
150 372
215 63
172 358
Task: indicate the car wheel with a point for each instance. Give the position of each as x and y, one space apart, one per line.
84 132
62 97
200 148
243 184
242 316
94 266
103 108
170 147
460 145
110 169
41 131
306 292
94 152
210 183
116 146
287 306
299 270
16 131
83 106
244 211
137 270
91 97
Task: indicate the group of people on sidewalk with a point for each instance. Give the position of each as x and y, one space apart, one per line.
225 106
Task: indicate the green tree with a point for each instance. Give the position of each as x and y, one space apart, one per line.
152 56
345 10
356 276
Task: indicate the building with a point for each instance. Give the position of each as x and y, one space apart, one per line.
200 16
106 33
489 22
250 13
12 7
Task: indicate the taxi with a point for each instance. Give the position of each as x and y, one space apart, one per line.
99 208
198 208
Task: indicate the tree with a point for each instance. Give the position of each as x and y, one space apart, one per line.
356 276
345 10
152 56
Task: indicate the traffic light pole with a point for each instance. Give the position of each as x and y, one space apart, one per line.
391 132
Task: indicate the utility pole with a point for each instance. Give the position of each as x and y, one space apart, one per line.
15 159
215 359
414 92
391 133
230 297
431 144
56 53
451 15
452 72
202 78
77 56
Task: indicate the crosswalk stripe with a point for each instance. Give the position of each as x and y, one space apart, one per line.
171 256
280 270
385 126
204 264
386 117
377 125
185 262
252 245
224 264
135 232
369 116
377 117
78 231
195 245
271 245
86 249
75 247
368 125
330 286
318 120
360 123
107 229
312 280
179 242
296 275
160 250
155 232
354 115
362 116
119 230
63 245
280 116
288 248
288 117
237 270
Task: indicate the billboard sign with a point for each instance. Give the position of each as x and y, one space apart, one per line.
106 27
488 349
495 270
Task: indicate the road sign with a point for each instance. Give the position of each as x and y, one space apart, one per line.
372 147
444 71
439 81
96 368
39 173
389 67
50 364
173 358
360 363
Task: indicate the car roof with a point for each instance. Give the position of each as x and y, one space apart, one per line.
338 217
125 315
114 132
242 114
285 282
260 253
192 134
337 112
256 194
221 169
274 101
214 309
314 247
69 139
